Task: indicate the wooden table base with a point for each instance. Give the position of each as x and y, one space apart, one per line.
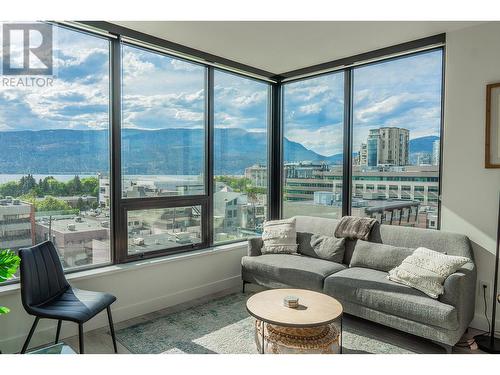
277 339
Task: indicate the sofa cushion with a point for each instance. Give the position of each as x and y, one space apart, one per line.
371 288
378 256
293 270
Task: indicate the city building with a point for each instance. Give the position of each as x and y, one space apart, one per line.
236 214
325 197
424 158
257 174
393 146
303 169
386 146
79 240
372 147
16 224
370 186
363 154
435 152
104 191
163 228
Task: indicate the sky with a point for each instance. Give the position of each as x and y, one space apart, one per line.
164 92
405 93
158 92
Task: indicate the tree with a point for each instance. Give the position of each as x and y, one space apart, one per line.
10 188
253 192
238 184
90 186
80 204
74 186
55 187
52 204
27 183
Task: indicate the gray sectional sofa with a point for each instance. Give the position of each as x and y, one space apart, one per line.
368 293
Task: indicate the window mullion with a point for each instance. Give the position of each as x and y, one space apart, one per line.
118 226
347 152
209 152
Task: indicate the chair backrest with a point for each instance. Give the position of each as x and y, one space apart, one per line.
42 275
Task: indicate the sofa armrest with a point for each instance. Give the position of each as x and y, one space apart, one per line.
460 291
254 246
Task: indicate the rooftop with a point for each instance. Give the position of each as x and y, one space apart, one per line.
86 224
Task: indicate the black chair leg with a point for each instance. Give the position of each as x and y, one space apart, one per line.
80 337
112 328
59 322
28 339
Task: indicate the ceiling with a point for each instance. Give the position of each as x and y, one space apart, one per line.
280 46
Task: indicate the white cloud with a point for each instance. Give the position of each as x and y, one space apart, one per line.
310 109
326 140
183 65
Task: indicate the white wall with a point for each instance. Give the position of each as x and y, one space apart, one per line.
470 192
140 288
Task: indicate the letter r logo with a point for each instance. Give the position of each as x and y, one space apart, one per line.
27 49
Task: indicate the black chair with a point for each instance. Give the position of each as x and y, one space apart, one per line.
46 293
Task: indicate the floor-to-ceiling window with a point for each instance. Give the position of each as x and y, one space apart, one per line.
162 150
240 156
394 129
313 115
54 144
396 133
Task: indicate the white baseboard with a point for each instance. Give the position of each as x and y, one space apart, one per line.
45 333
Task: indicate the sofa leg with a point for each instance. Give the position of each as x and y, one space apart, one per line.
448 348
243 288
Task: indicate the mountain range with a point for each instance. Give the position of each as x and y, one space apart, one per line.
165 151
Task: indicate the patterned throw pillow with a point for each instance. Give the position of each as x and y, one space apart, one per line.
280 237
426 270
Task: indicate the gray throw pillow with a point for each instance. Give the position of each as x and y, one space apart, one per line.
378 256
328 248
304 244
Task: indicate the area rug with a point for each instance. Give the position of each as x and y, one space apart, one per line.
223 326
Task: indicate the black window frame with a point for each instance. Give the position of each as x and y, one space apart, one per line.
123 204
119 206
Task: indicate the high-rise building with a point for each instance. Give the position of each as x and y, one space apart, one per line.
363 154
435 152
372 148
393 146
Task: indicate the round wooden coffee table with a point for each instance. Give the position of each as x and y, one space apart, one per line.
310 325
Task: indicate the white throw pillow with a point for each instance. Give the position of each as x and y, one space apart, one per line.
426 270
280 237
